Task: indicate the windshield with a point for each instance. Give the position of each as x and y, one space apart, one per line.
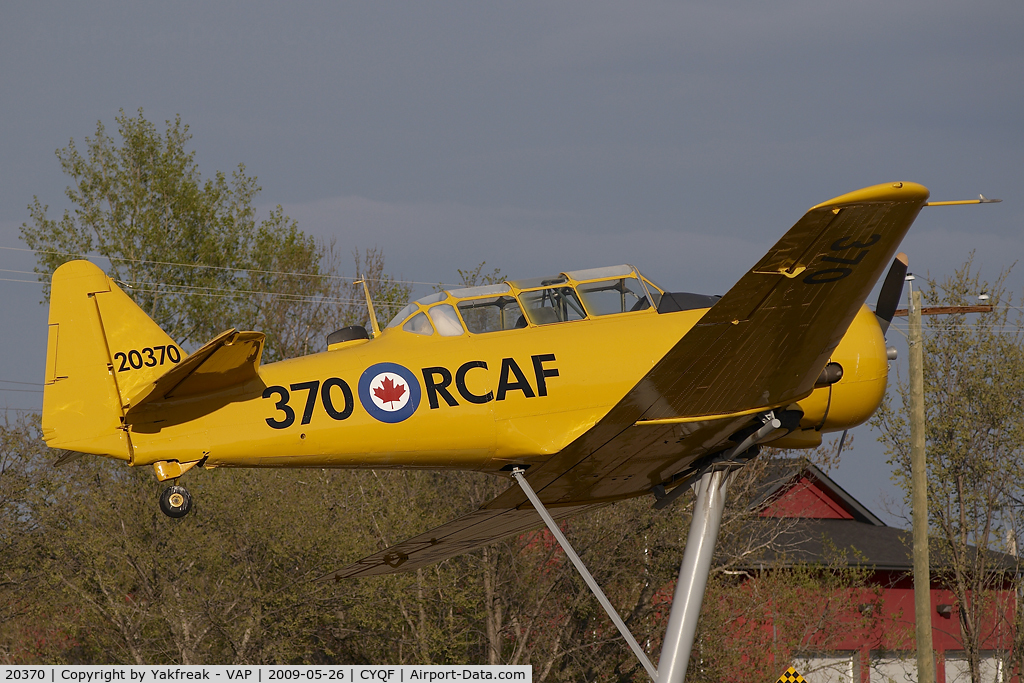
402 315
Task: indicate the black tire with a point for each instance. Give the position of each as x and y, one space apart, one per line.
175 501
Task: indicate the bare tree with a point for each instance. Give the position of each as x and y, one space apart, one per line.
974 380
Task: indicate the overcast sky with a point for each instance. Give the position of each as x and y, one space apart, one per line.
682 137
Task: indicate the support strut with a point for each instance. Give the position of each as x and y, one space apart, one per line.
582 569
711 491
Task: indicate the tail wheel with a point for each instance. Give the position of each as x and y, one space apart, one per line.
176 501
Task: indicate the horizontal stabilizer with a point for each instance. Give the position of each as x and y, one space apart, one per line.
231 359
458 536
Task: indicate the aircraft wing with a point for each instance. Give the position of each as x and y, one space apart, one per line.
477 529
765 342
759 347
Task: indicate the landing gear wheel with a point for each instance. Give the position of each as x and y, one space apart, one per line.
175 502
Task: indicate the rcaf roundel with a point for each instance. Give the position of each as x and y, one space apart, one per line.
389 392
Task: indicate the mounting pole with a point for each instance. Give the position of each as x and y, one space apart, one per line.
711 491
582 569
919 494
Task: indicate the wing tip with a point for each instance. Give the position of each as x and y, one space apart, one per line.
886 192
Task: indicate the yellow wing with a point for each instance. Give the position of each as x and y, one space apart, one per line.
765 342
760 347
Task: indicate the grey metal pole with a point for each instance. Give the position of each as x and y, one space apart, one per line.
517 474
711 491
919 495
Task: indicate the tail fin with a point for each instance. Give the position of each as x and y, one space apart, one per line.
101 349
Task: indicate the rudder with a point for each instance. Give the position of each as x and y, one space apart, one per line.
101 349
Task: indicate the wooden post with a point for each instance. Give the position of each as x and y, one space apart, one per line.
919 499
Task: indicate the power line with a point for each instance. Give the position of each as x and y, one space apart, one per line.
299 298
204 266
210 292
185 289
227 293
31 282
222 293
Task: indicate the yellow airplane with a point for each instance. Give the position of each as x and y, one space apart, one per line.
583 388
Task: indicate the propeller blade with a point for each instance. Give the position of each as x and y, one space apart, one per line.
892 291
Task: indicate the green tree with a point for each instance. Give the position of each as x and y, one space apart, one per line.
974 381
20 451
94 573
116 581
190 251
143 205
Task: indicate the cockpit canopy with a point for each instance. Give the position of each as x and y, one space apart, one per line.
514 304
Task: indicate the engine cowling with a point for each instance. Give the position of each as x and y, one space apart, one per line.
855 397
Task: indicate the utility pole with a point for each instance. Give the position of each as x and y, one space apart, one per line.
918 464
919 476
919 499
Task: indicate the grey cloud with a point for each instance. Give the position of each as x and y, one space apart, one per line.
430 242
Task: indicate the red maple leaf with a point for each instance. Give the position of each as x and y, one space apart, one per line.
389 392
